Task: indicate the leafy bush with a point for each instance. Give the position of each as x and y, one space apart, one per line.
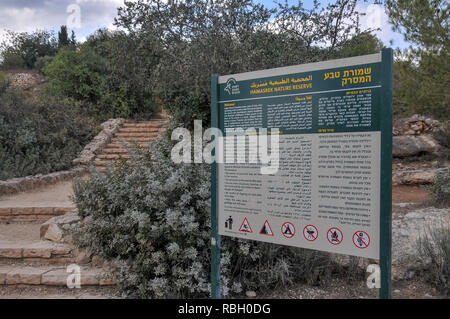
434 253
41 62
102 78
152 217
76 74
39 135
442 136
440 188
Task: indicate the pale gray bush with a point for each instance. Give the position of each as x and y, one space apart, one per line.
434 254
152 217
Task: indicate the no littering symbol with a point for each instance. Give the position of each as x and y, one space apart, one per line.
310 232
334 236
288 230
361 239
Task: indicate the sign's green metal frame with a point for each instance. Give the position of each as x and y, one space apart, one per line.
385 182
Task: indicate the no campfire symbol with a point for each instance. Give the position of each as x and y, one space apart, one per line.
288 230
245 227
361 239
266 229
310 232
334 236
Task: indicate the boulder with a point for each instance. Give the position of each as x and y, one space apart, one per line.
403 146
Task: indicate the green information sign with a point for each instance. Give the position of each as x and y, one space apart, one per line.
324 180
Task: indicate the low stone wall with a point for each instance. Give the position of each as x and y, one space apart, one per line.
21 184
87 156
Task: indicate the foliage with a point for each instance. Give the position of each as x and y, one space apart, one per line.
440 188
434 252
41 62
21 50
100 74
422 73
40 134
227 37
442 136
77 74
152 217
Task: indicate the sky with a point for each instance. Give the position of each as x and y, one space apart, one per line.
86 16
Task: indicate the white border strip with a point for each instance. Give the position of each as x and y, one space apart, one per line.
364 59
306 93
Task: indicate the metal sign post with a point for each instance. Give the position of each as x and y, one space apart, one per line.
332 190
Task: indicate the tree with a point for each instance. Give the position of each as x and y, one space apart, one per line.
23 49
422 73
63 37
190 40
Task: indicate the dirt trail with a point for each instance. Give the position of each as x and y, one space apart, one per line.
54 195
409 194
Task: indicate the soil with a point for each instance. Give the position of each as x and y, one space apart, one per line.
338 288
31 292
57 195
409 194
23 232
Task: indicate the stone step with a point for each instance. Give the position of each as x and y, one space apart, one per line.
134 135
38 251
154 123
32 213
112 156
46 275
116 148
139 130
103 163
134 139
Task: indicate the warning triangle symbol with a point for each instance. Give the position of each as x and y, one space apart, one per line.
266 229
245 227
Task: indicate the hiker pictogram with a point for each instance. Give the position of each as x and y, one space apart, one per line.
334 236
288 230
361 239
310 232
245 226
266 229
229 223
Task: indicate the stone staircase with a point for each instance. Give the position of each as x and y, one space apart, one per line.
27 259
140 133
33 252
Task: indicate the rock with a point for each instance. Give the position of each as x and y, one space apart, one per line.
54 233
83 257
97 261
406 231
53 229
250 294
427 295
409 177
403 146
397 291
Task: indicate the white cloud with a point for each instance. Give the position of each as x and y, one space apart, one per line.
376 18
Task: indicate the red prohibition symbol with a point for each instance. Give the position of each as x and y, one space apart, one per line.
288 230
334 236
361 239
310 232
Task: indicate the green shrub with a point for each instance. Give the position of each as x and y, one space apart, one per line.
440 188
434 253
152 217
39 135
442 136
103 81
41 62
